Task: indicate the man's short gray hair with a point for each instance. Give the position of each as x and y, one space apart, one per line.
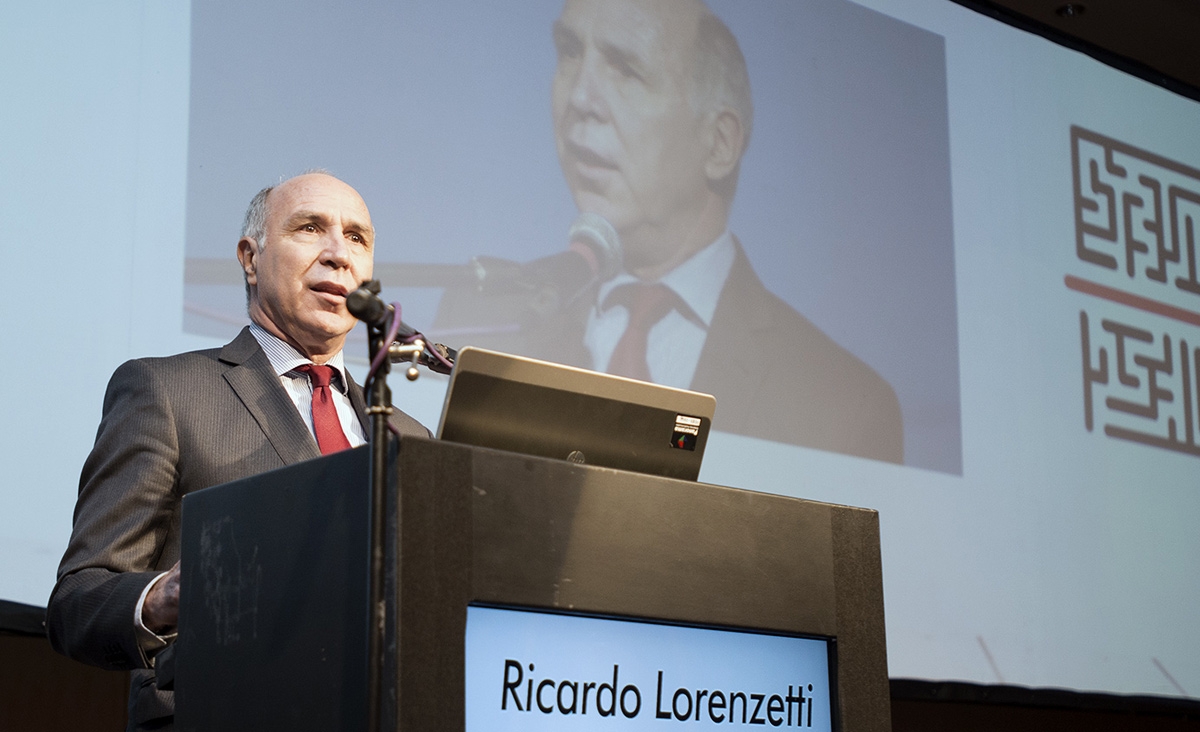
721 78
254 226
721 81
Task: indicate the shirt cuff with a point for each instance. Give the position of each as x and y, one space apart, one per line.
149 642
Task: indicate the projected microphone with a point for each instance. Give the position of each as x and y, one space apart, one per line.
593 255
596 241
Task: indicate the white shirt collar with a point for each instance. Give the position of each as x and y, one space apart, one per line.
698 281
285 358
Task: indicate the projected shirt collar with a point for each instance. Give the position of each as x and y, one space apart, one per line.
698 281
675 343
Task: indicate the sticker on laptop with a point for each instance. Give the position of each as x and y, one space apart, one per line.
687 429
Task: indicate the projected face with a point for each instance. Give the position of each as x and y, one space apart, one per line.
631 144
319 246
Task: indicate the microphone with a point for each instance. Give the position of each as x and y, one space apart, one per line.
593 255
366 305
594 239
594 251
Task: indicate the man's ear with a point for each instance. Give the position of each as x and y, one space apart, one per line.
728 143
247 254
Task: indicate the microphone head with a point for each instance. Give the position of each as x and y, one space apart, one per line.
365 304
593 231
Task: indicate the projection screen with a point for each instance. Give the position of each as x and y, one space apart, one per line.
995 236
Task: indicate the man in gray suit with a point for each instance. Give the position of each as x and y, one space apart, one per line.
178 424
652 115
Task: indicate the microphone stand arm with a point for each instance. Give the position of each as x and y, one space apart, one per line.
411 352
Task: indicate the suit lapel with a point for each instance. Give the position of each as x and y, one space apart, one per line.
358 400
733 333
254 381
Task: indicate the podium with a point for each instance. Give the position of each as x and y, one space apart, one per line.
273 616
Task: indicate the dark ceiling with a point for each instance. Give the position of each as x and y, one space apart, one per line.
1158 40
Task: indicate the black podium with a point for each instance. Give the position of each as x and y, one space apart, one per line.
274 614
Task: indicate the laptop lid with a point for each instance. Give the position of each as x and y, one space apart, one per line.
533 407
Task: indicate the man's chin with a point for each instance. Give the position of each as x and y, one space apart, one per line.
594 202
330 329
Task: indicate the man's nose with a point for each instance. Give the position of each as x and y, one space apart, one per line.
587 94
336 253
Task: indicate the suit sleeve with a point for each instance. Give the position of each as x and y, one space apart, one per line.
127 507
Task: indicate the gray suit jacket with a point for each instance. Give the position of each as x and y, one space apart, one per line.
778 377
170 426
775 374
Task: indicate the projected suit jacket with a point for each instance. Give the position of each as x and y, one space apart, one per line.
775 375
170 426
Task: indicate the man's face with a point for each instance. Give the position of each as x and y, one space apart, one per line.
631 146
319 246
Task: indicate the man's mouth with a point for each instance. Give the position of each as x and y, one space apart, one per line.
587 157
330 288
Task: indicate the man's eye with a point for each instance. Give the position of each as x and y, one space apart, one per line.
568 50
622 63
625 69
567 44
310 228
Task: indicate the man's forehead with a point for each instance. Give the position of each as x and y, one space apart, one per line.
314 194
646 26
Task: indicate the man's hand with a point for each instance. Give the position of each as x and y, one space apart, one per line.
160 613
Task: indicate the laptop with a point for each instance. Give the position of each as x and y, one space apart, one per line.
533 407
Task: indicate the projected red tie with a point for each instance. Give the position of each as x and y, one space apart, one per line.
647 304
326 424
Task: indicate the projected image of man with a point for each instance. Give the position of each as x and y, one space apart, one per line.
652 113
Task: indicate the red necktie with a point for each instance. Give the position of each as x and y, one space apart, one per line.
326 424
647 304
